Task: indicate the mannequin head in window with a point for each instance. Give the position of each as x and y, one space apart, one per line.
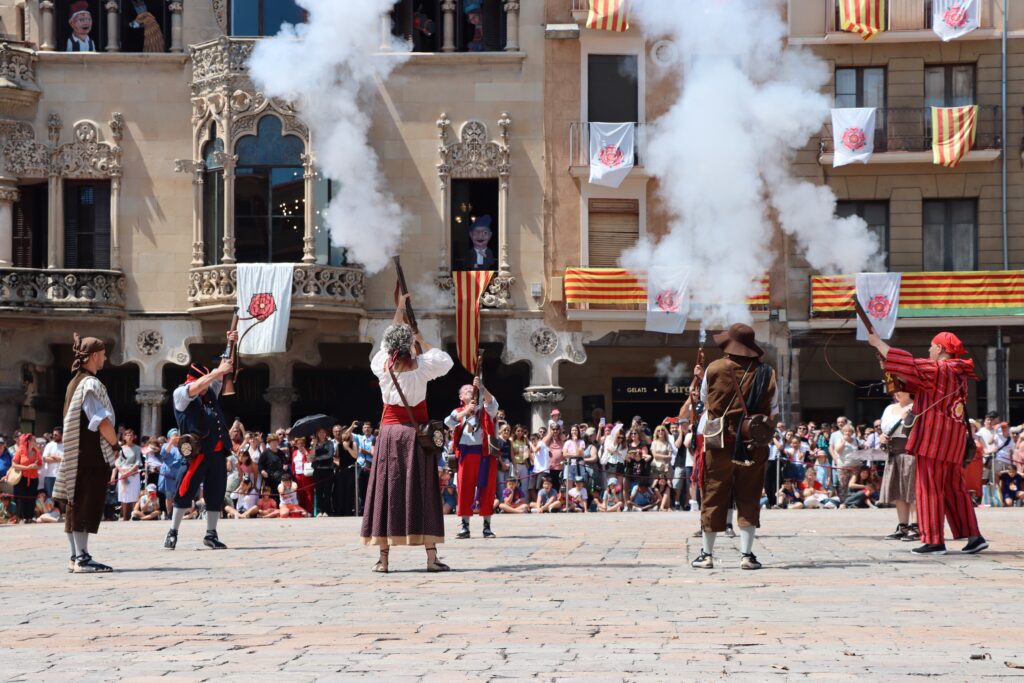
80 20
480 233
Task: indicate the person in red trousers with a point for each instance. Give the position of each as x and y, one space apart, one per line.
473 427
937 439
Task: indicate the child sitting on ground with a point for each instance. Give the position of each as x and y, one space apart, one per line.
267 506
612 499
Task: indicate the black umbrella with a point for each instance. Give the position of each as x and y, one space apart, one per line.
308 426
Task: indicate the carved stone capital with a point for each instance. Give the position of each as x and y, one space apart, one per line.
112 6
544 394
46 5
542 347
8 194
499 292
278 395
511 6
150 397
175 7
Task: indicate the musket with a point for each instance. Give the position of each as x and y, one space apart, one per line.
892 382
694 386
231 353
470 427
403 288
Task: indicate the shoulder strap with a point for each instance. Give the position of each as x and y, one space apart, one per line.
738 392
401 395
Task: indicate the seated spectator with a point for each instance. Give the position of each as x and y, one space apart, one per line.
821 467
547 498
1011 486
266 507
147 507
287 490
612 499
787 497
814 494
45 510
245 499
863 488
513 499
642 499
662 492
449 498
576 500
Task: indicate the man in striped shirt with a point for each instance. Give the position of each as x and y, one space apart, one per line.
938 437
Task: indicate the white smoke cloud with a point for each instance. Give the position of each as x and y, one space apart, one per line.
670 373
328 69
722 155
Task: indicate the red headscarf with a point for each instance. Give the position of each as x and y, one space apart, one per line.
950 343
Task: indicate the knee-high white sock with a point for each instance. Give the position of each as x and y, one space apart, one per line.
729 516
747 539
176 517
71 542
709 541
211 521
82 542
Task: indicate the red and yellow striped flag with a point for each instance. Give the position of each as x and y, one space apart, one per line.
469 287
953 131
866 17
609 15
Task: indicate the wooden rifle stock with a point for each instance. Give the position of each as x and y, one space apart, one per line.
863 315
231 353
403 288
892 382
471 428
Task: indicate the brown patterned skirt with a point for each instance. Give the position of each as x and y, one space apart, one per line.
898 479
403 498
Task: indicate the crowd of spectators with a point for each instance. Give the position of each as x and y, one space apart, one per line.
575 468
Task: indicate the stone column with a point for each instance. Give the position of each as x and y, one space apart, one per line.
115 224
542 399
997 381
197 215
511 26
228 161
8 195
11 397
48 39
280 400
150 399
448 25
113 8
177 44
309 179
55 225
385 32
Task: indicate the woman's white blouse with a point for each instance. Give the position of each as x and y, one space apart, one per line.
429 365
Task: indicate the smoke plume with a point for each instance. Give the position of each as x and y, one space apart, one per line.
668 372
328 69
723 151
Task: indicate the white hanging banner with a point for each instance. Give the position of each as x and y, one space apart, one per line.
611 152
879 295
853 135
265 305
667 306
952 19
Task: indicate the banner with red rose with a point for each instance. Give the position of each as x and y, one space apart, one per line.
668 303
264 300
611 152
952 19
879 294
853 135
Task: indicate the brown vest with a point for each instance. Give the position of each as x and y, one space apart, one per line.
90 455
722 390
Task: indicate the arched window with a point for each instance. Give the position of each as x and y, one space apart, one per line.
263 17
213 199
270 196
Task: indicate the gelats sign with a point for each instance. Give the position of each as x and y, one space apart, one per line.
647 389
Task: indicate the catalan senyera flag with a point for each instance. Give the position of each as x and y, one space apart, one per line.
953 132
609 15
470 285
864 17
621 287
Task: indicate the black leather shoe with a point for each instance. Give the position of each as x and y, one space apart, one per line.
212 542
487 531
899 534
171 540
464 532
930 549
84 564
975 545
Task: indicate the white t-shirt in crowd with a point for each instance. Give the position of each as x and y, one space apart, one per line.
49 469
579 494
540 458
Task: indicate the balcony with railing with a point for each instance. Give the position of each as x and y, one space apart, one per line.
901 18
456 25
905 134
579 147
319 288
62 290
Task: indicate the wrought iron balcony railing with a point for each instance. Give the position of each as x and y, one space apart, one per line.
337 288
579 143
33 289
910 130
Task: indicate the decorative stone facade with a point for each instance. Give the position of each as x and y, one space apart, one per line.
544 349
28 290
323 287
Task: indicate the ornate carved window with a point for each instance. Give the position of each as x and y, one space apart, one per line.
213 198
87 224
30 226
270 200
263 17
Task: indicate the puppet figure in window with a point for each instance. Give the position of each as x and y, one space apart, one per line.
481 257
474 10
80 19
423 23
153 36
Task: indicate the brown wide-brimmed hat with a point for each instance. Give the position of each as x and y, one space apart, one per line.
738 340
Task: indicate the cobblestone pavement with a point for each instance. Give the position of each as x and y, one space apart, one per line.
600 597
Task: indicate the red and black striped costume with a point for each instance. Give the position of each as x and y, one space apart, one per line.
937 439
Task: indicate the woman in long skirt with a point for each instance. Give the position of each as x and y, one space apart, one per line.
899 476
403 498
